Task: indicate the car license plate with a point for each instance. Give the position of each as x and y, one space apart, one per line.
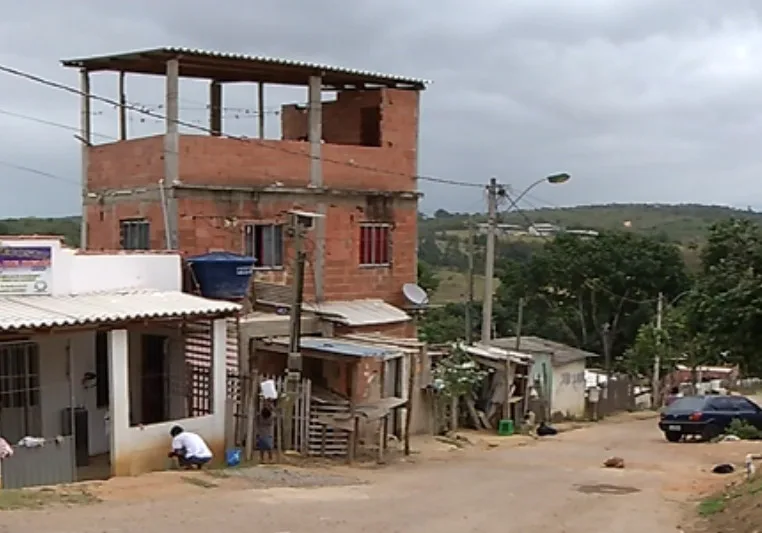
674 428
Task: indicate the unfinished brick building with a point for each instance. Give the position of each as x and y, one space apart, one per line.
353 159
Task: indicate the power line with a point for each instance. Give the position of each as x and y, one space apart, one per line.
38 172
156 115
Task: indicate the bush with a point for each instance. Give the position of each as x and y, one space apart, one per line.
743 430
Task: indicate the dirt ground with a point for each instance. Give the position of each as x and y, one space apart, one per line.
555 485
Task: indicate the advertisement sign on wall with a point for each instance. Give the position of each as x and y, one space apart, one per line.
25 270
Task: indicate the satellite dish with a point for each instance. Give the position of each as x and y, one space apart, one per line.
414 294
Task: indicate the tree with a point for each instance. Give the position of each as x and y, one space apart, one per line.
427 278
727 307
575 285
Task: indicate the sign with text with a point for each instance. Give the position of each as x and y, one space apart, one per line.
25 270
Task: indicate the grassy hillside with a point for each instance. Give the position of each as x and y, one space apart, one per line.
682 223
68 227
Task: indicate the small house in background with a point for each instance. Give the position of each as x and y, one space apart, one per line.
557 374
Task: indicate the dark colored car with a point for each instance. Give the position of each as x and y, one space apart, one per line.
707 416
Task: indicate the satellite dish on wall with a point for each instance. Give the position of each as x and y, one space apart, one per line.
415 294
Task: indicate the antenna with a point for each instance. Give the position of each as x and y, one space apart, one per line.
415 294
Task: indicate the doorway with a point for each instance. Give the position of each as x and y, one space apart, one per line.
153 379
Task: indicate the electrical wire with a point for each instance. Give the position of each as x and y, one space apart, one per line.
159 116
156 115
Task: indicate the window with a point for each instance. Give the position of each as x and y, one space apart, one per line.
264 242
101 370
375 244
19 375
742 404
135 234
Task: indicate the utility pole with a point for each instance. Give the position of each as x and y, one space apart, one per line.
519 323
470 296
294 369
656 383
489 268
607 352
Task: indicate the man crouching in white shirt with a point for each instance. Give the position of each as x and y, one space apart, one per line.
190 449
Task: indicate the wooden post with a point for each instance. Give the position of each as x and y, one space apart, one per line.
507 397
252 395
353 415
381 438
410 404
453 413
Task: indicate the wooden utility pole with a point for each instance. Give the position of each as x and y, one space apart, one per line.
294 368
656 381
410 392
607 351
489 268
519 323
470 295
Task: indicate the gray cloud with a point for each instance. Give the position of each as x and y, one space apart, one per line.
641 100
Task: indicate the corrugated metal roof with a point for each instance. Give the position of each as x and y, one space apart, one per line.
494 353
342 347
39 312
370 312
561 353
134 59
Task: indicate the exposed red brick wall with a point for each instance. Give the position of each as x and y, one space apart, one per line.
342 118
126 164
205 225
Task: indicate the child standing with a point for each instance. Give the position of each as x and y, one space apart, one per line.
265 434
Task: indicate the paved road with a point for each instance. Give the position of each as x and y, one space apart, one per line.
555 486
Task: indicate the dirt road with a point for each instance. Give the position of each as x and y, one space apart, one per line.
557 485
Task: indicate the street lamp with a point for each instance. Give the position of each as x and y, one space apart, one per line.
553 179
492 193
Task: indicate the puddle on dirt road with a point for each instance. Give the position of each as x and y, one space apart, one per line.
604 488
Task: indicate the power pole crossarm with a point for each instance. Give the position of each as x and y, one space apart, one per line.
489 269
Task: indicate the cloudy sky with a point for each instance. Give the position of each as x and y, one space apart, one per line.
640 100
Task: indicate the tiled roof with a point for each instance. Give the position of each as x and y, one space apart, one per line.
41 312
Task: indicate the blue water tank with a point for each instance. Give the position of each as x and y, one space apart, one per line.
222 275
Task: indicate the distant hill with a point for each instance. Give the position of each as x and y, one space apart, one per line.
686 223
68 227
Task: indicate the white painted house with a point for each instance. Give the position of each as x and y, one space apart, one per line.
113 336
558 373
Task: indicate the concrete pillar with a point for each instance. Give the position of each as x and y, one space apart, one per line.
172 149
122 109
85 134
315 128
215 108
119 399
219 368
261 108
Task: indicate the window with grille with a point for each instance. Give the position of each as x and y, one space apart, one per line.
135 234
264 242
19 375
375 244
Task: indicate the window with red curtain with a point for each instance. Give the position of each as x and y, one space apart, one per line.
375 244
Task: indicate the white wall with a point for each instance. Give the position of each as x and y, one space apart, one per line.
569 389
76 273
55 392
